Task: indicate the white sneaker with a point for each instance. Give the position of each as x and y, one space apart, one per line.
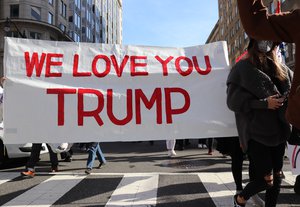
255 201
171 153
200 146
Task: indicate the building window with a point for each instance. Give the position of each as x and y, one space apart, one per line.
76 37
14 11
36 13
12 34
35 35
50 2
78 4
62 27
50 18
88 33
63 9
77 20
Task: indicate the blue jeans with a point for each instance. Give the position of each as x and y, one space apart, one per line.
94 150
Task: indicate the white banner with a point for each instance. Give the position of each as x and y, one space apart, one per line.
80 92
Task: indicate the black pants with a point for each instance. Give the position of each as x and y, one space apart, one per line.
237 158
265 160
35 154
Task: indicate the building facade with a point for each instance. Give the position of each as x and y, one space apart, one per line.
230 29
98 21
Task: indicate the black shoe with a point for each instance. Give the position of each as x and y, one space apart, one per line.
54 169
235 203
297 185
88 171
101 164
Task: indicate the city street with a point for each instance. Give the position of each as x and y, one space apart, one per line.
136 174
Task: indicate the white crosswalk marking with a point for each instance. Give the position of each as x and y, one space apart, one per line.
220 187
7 176
135 190
289 177
46 193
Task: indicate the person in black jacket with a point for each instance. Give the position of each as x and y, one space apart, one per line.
257 90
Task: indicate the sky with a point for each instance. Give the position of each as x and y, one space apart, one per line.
168 23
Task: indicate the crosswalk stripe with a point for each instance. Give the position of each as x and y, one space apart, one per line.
220 187
7 176
131 189
289 177
46 193
135 191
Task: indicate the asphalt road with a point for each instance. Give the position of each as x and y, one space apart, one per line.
133 169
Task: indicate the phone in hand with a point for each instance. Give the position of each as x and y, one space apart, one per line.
284 96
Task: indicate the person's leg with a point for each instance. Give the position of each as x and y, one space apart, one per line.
91 155
34 156
180 144
172 144
68 156
187 142
100 155
237 157
33 159
262 167
201 143
53 159
209 145
168 145
277 160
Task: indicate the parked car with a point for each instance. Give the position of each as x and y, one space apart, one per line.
9 151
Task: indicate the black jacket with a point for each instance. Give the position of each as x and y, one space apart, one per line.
248 88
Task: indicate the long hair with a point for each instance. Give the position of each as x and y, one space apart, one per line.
268 62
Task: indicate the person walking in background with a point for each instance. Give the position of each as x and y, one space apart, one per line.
206 143
171 147
257 86
93 151
34 158
202 143
210 145
67 156
181 143
36 147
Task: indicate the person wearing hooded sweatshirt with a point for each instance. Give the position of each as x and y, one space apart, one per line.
257 87
282 27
